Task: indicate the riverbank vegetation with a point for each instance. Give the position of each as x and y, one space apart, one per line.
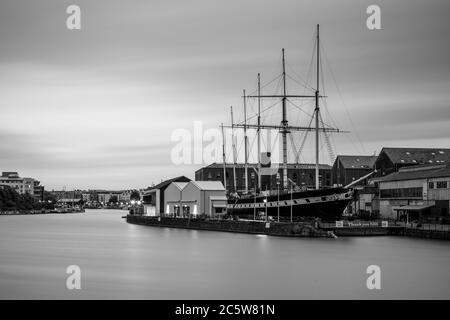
11 200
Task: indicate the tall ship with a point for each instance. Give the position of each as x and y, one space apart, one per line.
288 201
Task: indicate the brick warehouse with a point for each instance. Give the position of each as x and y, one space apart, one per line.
301 174
347 169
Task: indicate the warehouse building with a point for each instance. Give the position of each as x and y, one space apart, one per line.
392 159
153 197
416 193
195 198
302 174
348 168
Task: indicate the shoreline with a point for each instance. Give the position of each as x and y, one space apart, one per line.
39 212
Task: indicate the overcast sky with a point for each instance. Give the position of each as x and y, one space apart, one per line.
96 107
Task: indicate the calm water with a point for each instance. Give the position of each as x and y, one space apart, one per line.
120 260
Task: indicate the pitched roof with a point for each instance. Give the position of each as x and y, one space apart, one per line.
180 185
357 162
209 185
164 184
417 155
418 172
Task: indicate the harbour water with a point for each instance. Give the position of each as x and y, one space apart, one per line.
127 261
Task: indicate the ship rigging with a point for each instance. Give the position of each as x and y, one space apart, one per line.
284 127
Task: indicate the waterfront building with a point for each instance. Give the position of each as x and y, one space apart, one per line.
95 196
416 193
65 203
302 174
173 199
392 159
195 198
348 168
86 196
22 185
153 197
38 190
125 196
365 202
63 194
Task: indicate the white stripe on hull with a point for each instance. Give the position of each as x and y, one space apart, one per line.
293 202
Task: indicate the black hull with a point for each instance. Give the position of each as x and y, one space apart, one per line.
326 204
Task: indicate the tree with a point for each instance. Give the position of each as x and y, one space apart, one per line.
135 195
11 200
113 199
48 196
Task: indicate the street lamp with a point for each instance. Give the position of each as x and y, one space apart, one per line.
133 202
278 202
291 202
265 204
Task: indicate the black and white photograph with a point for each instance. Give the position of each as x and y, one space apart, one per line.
253 151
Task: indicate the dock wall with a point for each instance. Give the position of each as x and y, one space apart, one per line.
296 229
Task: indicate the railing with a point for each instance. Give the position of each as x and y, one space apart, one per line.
360 224
429 226
390 223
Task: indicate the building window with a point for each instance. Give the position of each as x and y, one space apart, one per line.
441 184
431 185
401 193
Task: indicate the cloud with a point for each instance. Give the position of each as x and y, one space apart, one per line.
97 107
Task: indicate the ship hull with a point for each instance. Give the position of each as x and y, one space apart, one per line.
326 204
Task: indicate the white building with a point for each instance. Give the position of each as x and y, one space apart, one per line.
174 203
153 197
19 184
195 198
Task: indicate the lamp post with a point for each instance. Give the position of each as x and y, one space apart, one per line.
291 202
133 202
278 202
254 209
265 204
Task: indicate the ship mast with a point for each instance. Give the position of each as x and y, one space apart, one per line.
233 145
259 132
245 146
316 110
284 130
224 160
